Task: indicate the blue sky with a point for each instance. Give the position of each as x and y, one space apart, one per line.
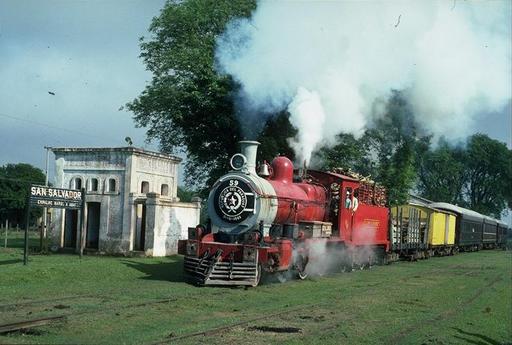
86 53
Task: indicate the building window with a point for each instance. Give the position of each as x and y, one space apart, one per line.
76 183
144 187
93 185
164 190
112 185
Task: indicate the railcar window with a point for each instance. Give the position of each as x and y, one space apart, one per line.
348 198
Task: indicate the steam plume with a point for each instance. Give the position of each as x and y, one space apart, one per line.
328 62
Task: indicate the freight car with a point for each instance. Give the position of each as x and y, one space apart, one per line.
279 221
419 231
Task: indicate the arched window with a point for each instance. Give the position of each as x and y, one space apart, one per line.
93 185
75 183
144 187
112 185
164 190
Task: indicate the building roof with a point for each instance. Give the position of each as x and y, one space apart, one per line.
128 149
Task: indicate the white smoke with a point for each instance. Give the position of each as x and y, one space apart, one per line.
327 62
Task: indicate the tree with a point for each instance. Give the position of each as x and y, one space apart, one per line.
394 143
188 105
15 180
347 152
488 173
185 194
441 174
387 151
274 137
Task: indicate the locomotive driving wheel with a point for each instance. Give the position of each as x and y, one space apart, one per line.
300 266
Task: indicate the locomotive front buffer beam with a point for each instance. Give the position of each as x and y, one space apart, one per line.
222 266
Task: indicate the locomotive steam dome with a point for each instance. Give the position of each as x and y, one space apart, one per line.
241 199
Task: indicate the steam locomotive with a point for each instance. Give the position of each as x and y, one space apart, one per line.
286 221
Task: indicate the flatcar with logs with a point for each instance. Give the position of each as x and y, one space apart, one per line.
284 221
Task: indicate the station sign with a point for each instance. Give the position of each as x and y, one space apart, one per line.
50 197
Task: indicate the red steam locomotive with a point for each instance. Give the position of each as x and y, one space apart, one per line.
277 222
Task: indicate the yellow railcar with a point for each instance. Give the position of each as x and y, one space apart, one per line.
441 236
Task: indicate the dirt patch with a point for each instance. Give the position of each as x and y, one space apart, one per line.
275 329
61 306
305 317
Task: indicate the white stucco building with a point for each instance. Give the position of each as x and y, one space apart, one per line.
131 202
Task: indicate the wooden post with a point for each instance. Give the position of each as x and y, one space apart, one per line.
41 234
82 224
27 218
6 227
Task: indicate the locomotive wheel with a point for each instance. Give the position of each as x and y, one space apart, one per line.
347 265
301 267
346 268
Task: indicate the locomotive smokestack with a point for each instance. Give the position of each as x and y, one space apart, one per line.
249 149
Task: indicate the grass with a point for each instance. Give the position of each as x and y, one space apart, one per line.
464 299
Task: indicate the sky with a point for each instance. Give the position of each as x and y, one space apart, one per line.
87 54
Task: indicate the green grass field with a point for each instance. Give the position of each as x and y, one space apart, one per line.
464 299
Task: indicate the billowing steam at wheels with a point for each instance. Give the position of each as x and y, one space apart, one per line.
295 222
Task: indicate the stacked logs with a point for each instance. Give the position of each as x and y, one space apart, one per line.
370 192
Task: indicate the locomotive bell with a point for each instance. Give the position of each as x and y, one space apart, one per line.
264 172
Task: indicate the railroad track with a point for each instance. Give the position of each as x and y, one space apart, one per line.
220 329
20 325
25 324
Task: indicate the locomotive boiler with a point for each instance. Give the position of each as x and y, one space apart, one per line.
267 222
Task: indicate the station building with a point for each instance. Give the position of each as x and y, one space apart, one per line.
131 204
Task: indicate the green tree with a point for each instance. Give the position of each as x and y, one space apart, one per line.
394 143
387 151
488 173
441 174
274 137
188 105
15 181
347 152
186 194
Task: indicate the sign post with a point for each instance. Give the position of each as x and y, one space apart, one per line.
27 217
82 227
49 197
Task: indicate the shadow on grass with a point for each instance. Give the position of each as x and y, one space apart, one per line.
480 338
9 262
168 271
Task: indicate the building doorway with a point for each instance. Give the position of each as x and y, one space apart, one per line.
93 225
140 229
70 228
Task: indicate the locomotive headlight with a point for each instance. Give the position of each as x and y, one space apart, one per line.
191 248
250 254
238 161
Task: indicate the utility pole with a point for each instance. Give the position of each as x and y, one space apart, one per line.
44 235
